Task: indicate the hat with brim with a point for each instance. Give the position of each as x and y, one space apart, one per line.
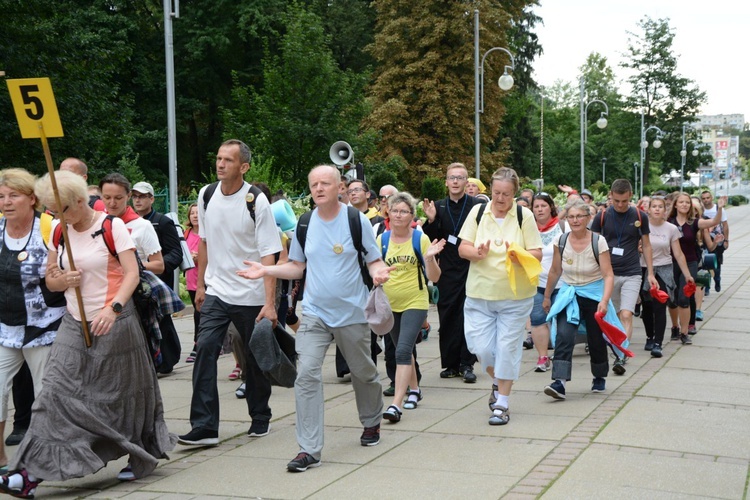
378 312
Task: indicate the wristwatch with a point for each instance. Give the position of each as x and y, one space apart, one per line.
117 307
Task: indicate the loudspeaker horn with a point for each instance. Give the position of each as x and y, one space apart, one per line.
341 153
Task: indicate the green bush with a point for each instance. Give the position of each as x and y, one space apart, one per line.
433 188
737 199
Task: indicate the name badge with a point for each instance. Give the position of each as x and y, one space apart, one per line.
617 251
452 239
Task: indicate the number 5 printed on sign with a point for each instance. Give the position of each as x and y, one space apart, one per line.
35 107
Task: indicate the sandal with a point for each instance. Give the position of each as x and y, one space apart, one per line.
392 414
126 474
500 415
26 491
235 373
412 399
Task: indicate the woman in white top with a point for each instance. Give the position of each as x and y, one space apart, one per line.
586 289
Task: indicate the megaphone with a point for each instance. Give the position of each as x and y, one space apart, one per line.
341 153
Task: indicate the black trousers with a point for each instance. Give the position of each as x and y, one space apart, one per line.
215 318
654 314
170 345
453 351
23 397
562 367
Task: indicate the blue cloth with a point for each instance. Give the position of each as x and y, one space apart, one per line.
566 300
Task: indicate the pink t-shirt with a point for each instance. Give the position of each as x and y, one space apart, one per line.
191 275
101 273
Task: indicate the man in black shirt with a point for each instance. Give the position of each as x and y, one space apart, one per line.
624 227
444 220
143 200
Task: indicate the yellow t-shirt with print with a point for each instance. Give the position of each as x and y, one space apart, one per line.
402 288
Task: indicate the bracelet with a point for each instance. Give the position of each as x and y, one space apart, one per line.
429 259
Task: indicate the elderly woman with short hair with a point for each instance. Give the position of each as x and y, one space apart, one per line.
101 402
495 315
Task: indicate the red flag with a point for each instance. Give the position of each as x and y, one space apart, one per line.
689 289
659 295
614 335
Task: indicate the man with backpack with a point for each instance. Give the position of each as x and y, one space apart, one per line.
444 220
327 249
625 227
236 225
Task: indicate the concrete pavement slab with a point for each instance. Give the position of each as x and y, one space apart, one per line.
685 427
725 340
697 357
692 385
609 473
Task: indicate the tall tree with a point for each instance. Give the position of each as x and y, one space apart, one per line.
306 102
667 99
423 89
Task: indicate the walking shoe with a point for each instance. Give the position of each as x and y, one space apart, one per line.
370 436
413 399
199 437
126 474
259 428
528 343
692 330
637 312
649 344
467 372
718 285
493 399
555 390
15 437
500 415
698 315
686 340
656 351
241 391
448 373
390 390
27 489
542 364
235 373
675 333
192 355
707 291
619 367
392 414
599 384
302 462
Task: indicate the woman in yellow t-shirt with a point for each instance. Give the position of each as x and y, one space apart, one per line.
407 292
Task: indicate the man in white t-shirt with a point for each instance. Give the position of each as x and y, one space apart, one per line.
236 225
709 212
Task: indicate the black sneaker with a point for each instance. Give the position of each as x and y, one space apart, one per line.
656 351
199 437
15 437
686 340
390 391
448 373
555 390
302 462
619 367
259 428
370 436
717 285
675 333
649 344
599 384
241 391
528 343
467 372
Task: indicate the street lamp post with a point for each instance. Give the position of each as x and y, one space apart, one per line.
644 145
601 123
635 175
604 170
683 155
505 83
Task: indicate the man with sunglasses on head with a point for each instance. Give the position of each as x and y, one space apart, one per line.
444 220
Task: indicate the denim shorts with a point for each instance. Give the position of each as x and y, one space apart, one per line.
538 316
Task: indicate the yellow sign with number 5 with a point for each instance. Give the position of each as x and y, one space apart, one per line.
35 107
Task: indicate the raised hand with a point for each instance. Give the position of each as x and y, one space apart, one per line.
429 209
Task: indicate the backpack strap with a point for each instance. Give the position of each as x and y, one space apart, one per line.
249 200
105 230
355 227
594 245
385 238
416 243
519 215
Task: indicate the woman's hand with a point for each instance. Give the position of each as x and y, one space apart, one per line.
546 304
602 308
483 250
102 323
435 248
72 278
722 201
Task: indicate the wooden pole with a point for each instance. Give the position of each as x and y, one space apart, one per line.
64 226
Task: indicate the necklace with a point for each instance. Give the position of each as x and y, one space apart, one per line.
21 233
91 222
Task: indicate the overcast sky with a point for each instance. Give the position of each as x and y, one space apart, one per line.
709 40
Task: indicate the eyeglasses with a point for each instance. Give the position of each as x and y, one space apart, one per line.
55 214
385 197
355 190
399 212
456 178
577 217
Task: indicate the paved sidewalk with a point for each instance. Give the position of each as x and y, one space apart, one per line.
673 427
